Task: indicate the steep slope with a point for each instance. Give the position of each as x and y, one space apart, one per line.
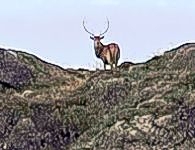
148 105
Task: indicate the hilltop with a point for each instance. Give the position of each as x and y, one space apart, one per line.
147 105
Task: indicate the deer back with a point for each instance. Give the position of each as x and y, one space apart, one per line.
110 53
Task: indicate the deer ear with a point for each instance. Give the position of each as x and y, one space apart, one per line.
91 37
101 37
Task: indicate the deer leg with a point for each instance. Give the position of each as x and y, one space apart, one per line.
114 67
104 66
111 66
116 62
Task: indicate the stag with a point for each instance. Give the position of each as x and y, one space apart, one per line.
109 53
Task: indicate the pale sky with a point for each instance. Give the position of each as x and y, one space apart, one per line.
52 29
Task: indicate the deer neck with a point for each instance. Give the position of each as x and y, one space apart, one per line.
98 49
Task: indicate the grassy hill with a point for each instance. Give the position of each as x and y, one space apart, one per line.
147 105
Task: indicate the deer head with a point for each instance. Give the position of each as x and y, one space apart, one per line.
96 39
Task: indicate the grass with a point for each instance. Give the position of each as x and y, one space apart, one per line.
106 110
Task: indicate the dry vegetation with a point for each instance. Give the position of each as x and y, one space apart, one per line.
142 106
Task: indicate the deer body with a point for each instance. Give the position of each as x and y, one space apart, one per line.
109 54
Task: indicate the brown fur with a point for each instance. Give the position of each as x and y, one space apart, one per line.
109 54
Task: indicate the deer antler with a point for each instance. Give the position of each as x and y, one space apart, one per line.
106 28
86 28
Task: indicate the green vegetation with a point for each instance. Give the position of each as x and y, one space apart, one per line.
136 107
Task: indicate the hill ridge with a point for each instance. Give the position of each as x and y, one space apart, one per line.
146 105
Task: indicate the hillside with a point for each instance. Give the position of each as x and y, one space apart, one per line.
148 105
